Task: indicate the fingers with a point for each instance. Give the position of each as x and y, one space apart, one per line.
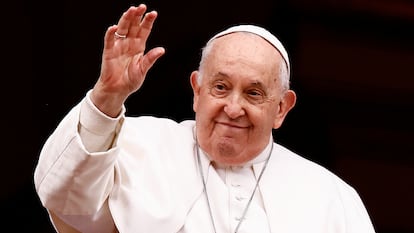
130 18
133 24
143 29
109 37
136 23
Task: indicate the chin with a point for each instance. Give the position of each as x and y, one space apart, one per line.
225 153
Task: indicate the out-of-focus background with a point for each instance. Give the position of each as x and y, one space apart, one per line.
352 68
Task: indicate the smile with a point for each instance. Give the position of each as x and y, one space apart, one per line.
232 125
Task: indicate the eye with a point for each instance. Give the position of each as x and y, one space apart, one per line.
256 96
255 93
219 89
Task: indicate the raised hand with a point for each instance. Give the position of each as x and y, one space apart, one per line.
124 61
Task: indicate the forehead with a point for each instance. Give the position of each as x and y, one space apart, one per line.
245 43
243 55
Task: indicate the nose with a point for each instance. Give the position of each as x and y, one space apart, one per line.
234 106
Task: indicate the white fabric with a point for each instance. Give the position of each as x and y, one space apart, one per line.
149 181
229 190
265 34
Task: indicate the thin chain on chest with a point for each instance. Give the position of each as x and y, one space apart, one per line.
251 196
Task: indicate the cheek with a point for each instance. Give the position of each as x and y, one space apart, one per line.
195 104
208 109
263 117
206 103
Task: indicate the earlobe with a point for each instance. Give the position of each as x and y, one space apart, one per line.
286 104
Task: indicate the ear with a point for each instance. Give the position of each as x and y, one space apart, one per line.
196 88
285 105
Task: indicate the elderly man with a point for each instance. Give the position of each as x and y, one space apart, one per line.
102 171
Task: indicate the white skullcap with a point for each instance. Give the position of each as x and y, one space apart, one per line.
265 34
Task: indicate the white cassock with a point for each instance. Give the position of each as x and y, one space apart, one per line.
144 176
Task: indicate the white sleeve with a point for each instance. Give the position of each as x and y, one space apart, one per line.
73 182
97 130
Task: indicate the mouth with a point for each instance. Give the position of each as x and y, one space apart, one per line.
233 125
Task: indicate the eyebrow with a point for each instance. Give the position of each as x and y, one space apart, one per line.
221 74
258 84
254 83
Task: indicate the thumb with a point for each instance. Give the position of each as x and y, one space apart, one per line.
150 58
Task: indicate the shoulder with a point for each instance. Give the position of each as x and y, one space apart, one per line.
295 161
152 122
151 127
291 171
308 192
304 170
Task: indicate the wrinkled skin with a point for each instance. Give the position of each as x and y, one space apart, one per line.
240 98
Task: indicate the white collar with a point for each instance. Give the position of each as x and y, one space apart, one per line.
256 163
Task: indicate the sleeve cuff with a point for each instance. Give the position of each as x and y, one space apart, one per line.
96 121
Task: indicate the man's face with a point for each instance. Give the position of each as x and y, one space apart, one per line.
239 99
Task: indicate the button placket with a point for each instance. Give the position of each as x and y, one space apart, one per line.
241 182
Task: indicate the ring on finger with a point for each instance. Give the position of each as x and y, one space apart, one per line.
120 36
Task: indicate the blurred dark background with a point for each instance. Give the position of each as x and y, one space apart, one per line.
352 68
